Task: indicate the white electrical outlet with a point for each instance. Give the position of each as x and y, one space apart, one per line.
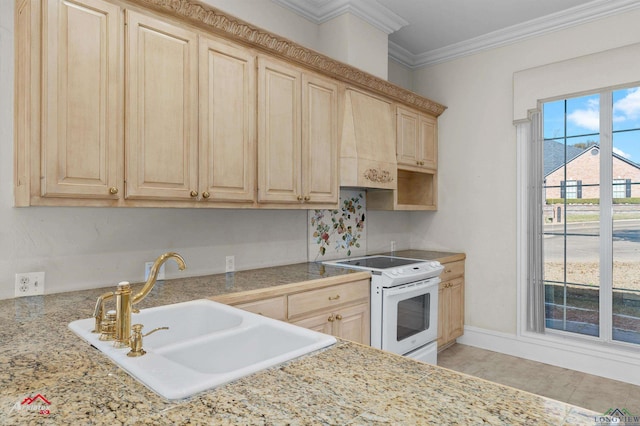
29 284
230 264
147 270
393 246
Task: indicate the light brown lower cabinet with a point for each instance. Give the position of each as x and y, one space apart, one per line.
451 304
338 305
347 322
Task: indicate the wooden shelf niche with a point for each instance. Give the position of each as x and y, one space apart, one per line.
416 191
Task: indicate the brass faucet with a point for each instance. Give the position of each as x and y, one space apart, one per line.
153 274
125 300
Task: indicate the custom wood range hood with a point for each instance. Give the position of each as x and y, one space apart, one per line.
367 152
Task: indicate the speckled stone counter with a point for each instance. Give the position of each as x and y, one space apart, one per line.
72 383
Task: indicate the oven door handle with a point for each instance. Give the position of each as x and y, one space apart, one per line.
397 291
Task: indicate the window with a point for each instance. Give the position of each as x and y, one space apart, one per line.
619 188
591 215
571 189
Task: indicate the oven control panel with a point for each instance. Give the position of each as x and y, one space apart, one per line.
413 272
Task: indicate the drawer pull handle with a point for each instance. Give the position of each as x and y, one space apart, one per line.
331 318
447 271
334 297
338 317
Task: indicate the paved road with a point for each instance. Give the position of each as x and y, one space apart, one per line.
583 241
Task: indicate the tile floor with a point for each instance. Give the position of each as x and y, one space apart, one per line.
584 390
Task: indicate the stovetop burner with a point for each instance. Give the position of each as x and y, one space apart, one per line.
378 262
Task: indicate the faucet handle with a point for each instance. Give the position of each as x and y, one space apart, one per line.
136 339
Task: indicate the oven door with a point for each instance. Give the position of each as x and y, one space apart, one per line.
409 316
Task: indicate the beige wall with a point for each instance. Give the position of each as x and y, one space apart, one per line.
400 75
353 41
477 158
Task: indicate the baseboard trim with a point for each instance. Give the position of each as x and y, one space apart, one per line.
586 357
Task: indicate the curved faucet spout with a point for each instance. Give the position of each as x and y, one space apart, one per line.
153 274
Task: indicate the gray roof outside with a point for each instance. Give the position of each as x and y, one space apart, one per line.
554 154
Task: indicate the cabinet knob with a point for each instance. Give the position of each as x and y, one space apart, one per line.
300 198
418 163
307 198
205 194
336 297
422 163
113 190
331 318
193 194
338 317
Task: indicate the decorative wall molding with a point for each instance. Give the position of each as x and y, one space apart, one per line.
536 27
370 11
242 32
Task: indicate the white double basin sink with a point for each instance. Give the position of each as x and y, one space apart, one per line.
207 344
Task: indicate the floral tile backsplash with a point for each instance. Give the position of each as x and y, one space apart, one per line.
339 233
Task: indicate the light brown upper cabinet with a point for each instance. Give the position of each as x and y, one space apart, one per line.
227 122
82 81
297 136
417 139
161 125
128 103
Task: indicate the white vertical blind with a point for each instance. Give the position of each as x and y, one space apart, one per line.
535 285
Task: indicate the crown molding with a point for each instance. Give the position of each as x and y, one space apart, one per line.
236 30
372 12
558 21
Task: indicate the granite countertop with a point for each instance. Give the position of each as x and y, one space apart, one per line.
347 383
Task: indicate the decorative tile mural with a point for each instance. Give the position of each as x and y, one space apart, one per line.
340 233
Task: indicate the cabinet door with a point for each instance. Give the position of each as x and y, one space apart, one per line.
417 139
456 308
428 141
227 122
352 323
161 104
443 315
407 137
322 322
450 311
279 137
82 86
319 139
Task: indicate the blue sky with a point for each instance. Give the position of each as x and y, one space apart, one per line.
583 119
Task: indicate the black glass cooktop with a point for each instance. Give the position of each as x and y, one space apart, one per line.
378 262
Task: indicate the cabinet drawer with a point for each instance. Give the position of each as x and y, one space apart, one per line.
323 298
452 269
275 308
